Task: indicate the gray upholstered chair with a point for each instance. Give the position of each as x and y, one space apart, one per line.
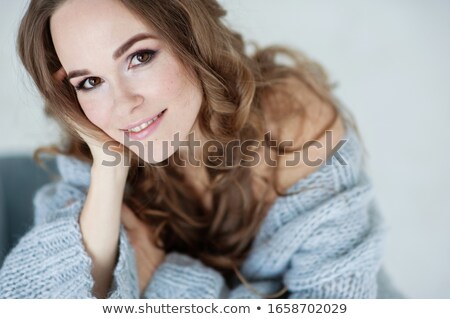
20 177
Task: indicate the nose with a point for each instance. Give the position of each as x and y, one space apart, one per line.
126 100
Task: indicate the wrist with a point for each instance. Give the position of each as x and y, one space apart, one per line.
116 172
111 158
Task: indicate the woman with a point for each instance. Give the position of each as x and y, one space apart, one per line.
151 203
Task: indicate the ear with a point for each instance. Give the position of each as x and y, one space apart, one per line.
60 75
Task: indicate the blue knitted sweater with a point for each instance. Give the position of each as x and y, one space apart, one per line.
325 242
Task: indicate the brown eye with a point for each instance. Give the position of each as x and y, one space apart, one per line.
89 83
93 81
141 58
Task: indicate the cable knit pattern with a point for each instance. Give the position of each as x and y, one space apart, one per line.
325 242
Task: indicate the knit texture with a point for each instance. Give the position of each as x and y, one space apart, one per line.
325 242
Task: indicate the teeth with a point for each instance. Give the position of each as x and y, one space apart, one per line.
144 125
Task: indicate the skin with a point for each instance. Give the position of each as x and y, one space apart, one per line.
131 88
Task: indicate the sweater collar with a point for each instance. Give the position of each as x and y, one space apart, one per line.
73 170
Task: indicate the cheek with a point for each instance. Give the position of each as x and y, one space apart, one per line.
168 81
96 111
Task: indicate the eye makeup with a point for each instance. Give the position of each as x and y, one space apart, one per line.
142 53
147 55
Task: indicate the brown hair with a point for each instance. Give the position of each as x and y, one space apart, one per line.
240 91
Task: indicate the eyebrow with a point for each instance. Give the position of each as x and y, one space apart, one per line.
117 54
124 47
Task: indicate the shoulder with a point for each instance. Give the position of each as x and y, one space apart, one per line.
314 151
315 131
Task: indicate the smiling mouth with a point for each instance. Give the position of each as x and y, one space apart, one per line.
144 125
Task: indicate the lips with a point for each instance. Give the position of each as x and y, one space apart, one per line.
146 132
136 124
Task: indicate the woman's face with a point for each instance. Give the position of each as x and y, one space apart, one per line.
124 76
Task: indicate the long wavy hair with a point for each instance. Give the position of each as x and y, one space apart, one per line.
240 92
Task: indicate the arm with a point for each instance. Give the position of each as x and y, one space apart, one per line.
68 221
100 223
51 261
100 217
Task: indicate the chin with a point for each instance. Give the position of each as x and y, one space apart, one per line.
158 155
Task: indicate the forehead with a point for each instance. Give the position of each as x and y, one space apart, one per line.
80 26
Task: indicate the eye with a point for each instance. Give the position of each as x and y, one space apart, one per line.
141 57
89 83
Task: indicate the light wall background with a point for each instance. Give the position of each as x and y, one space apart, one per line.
391 62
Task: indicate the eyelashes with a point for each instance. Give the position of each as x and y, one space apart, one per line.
136 59
92 81
142 57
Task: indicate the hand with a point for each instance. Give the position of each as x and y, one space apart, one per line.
148 256
96 146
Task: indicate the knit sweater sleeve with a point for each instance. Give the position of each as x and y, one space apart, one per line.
337 255
50 261
341 256
333 251
181 276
